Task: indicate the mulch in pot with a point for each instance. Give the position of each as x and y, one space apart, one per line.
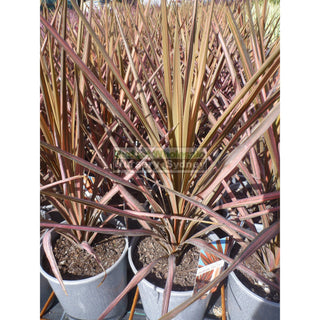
148 250
76 263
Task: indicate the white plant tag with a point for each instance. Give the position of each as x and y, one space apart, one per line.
210 266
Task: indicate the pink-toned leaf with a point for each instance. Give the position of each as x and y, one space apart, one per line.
169 283
236 156
261 239
271 259
47 186
47 247
111 102
260 213
85 245
141 274
102 207
212 213
249 201
123 232
201 244
90 166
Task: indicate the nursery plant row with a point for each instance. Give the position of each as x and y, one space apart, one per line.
160 158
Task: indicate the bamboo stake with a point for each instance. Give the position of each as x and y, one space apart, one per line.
223 304
44 309
134 303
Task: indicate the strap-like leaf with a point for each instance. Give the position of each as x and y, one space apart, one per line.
260 240
201 244
85 245
47 247
111 231
249 201
141 274
169 283
111 102
236 156
90 166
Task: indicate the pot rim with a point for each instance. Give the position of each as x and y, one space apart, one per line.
148 283
86 280
249 292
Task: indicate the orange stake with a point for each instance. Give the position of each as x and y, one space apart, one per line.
44 309
134 303
223 303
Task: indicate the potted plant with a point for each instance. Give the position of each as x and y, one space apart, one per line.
246 297
185 115
85 269
251 299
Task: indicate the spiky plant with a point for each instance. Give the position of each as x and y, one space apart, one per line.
193 87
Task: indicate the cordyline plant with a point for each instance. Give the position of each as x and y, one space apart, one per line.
171 106
65 123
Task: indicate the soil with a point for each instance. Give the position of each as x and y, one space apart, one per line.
261 289
76 263
148 249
